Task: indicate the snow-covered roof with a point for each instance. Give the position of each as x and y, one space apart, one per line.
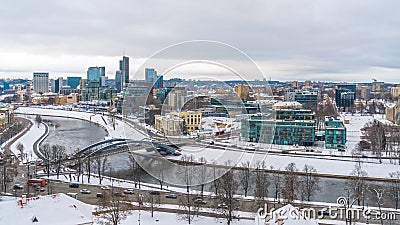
291 104
51 209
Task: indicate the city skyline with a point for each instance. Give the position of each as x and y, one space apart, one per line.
330 40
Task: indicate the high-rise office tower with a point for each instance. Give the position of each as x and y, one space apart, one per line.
94 73
124 67
119 80
58 84
6 85
73 82
41 82
150 75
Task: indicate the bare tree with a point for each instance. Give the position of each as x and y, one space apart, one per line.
152 202
358 184
375 133
100 165
261 182
216 173
38 120
112 210
201 173
21 154
136 169
309 183
395 188
228 189
277 182
245 177
186 172
290 184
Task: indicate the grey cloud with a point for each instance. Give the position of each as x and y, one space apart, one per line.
342 37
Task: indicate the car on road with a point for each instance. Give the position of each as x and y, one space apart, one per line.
39 188
99 195
119 194
154 192
85 191
222 206
200 201
18 186
174 196
129 191
105 187
197 198
74 185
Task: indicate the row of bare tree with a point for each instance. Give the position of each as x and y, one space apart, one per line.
382 140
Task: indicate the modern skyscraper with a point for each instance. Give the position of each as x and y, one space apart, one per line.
159 82
41 82
345 95
73 82
58 84
6 85
124 67
119 80
94 73
150 75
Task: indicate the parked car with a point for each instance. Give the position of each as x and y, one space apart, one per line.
74 185
200 201
197 198
105 187
18 186
129 191
174 196
154 192
99 195
85 191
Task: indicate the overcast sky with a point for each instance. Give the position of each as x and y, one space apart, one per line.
290 40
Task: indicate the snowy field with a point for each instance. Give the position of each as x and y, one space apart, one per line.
28 139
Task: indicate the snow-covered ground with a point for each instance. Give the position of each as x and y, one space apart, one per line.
29 138
172 218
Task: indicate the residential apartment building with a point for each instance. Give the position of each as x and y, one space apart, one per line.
335 133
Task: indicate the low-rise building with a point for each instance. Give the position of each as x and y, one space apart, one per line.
286 127
335 133
6 116
192 120
304 97
170 125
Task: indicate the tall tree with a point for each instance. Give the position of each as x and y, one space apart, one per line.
309 183
395 188
228 189
112 210
261 182
245 177
358 185
290 184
